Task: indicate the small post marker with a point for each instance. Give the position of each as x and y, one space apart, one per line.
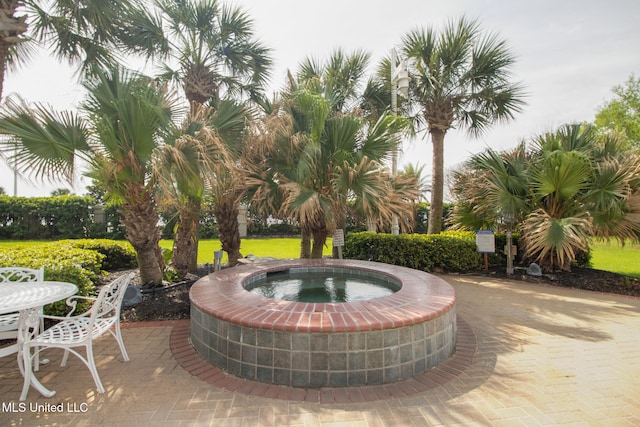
486 244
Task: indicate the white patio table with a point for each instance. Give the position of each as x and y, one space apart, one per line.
28 298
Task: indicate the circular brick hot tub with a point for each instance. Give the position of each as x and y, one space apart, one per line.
299 344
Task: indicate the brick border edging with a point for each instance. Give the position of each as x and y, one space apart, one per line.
190 360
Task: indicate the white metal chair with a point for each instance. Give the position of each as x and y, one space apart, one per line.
81 330
9 321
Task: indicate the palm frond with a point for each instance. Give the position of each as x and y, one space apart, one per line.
41 141
553 241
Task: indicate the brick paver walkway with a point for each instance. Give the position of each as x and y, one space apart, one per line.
541 356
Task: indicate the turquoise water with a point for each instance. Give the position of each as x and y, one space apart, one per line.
321 287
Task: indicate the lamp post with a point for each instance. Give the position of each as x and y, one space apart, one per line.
15 174
399 82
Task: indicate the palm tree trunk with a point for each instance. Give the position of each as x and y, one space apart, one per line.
319 240
437 183
226 213
141 221
305 244
185 256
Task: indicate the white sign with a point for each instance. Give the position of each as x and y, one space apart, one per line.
338 237
485 241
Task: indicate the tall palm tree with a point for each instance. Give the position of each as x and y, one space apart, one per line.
459 78
179 167
203 156
126 116
217 56
213 45
341 80
318 161
570 186
79 31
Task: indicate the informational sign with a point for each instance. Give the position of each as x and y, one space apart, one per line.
485 241
338 238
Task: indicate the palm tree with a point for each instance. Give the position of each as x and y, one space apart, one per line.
339 79
341 82
126 117
179 167
201 156
459 78
82 31
318 161
572 185
492 186
213 46
217 57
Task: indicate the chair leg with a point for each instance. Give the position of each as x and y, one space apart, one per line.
118 337
65 357
91 364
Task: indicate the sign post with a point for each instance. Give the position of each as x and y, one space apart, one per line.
486 244
338 241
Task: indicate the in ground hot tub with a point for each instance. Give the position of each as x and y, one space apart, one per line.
317 344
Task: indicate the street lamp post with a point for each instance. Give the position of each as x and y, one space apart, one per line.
399 81
15 174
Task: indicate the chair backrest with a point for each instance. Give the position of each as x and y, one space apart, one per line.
21 274
109 301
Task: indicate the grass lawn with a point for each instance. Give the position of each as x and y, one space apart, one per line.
613 257
609 257
279 247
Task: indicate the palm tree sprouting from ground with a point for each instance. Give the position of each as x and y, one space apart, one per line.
571 185
216 57
459 78
78 31
317 161
179 167
203 156
341 81
127 115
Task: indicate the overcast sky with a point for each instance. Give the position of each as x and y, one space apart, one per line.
569 55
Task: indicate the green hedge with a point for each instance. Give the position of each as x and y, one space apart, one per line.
81 262
61 262
44 217
448 251
118 254
60 217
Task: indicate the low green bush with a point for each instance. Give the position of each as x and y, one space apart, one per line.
448 251
62 262
118 254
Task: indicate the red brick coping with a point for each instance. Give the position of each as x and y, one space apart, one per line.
422 297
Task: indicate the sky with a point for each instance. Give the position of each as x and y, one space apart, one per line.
569 55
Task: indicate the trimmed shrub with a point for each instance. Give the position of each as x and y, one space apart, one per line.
44 217
448 251
61 262
118 254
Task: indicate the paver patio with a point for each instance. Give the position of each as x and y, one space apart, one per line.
541 356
